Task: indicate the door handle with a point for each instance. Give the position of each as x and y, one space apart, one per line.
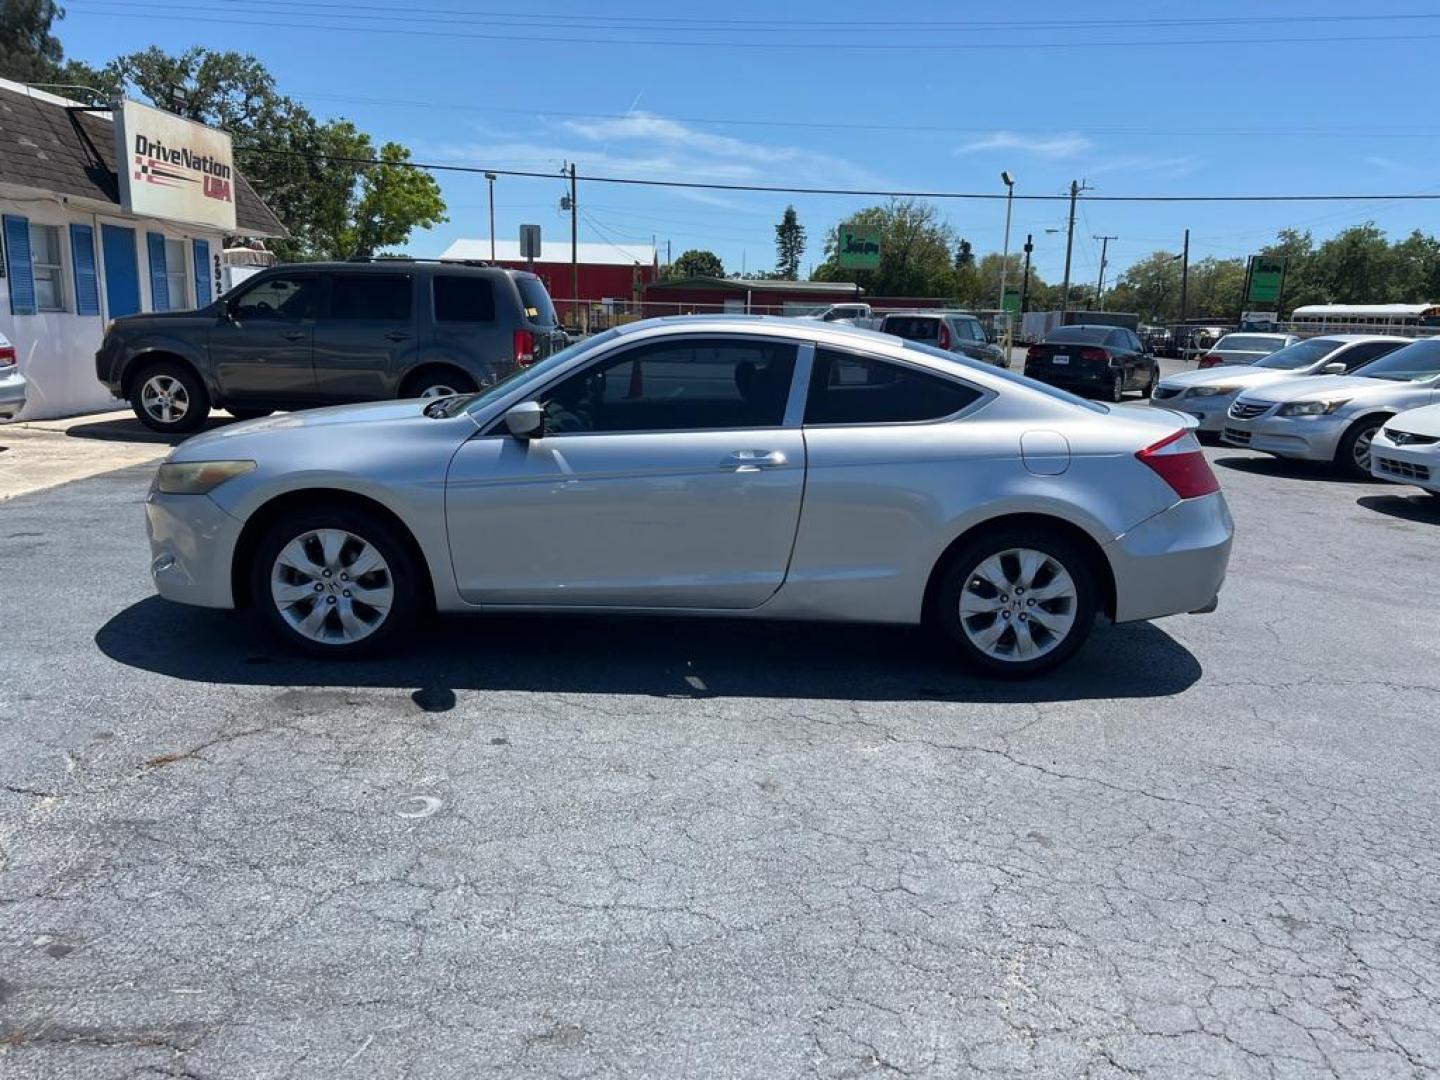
753 460
396 335
293 335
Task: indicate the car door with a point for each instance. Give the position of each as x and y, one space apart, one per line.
366 335
1123 355
669 475
260 349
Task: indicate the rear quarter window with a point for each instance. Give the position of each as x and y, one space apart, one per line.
847 388
464 298
913 328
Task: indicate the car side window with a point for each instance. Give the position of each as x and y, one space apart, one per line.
688 384
1363 354
465 298
384 297
973 329
847 388
284 296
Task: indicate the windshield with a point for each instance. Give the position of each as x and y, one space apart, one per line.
538 307
1410 363
1089 335
1301 354
1248 343
534 373
1009 376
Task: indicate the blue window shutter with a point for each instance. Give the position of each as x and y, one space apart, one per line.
202 273
87 280
159 287
122 275
22 271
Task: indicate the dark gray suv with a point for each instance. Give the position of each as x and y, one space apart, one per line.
952 331
308 334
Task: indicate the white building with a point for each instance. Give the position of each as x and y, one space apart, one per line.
80 246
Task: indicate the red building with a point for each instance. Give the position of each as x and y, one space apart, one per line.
705 295
606 272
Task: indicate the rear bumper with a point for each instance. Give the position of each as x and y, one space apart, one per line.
1077 379
1174 562
192 546
12 395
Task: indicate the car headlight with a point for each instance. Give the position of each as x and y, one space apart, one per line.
1312 408
199 477
1209 391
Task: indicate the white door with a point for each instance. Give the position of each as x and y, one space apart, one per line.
667 477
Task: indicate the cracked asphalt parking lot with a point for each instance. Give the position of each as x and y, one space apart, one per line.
572 847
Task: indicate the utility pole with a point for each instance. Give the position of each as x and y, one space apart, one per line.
574 251
1025 282
1185 277
1100 284
490 176
1076 187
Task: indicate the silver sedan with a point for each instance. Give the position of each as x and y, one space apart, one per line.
749 467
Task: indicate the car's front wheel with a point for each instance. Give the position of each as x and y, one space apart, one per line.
1352 456
336 582
1149 390
1017 602
170 397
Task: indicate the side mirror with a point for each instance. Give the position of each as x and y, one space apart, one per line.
1335 367
526 420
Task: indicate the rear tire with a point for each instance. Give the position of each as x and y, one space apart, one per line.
336 583
170 397
1117 389
1352 456
441 382
982 606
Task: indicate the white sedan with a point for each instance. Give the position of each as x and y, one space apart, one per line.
12 383
1407 449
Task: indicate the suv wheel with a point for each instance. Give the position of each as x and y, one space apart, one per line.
441 383
335 583
169 397
1017 602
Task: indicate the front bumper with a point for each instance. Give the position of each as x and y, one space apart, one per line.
1173 562
192 547
1209 411
1418 465
1305 438
12 395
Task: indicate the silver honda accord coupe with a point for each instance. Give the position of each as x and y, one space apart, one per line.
735 466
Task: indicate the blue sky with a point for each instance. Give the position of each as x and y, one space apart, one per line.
920 96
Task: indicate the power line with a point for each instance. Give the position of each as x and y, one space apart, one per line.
860 192
861 44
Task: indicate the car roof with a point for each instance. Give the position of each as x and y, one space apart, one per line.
390 266
1351 339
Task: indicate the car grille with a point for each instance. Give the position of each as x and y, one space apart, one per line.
1409 438
1236 435
1248 410
1402 470
1164 394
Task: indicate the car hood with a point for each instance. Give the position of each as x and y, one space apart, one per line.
1305 387
1423 421
1224 375
380 415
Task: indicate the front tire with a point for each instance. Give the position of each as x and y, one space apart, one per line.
336 583
170 397
1017 602
1149 391
1352 456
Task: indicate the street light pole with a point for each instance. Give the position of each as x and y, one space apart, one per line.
1100 284
490 176
1009 182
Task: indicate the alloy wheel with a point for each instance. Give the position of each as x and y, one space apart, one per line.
438 390
1019 604
332 586
1360 449
165 399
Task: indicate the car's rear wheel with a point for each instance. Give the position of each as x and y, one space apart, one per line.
169 397
336 582
439 383
1352 456
1117 387
1017 602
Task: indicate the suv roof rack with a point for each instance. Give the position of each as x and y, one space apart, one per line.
413 259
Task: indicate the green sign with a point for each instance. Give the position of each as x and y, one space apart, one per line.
1267 278
859 249
1011 302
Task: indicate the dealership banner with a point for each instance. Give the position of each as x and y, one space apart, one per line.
174 169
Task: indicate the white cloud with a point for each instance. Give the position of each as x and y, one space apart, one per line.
1057 146
1388 164
1164 168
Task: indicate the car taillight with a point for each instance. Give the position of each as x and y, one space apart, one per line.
1033 354
1095 354
1178 460
944 336
8 356
524 348
1209 360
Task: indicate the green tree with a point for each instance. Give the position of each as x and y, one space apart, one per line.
1216 286
29 52
1150 288
915 251
1355 266
696 263
789 245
